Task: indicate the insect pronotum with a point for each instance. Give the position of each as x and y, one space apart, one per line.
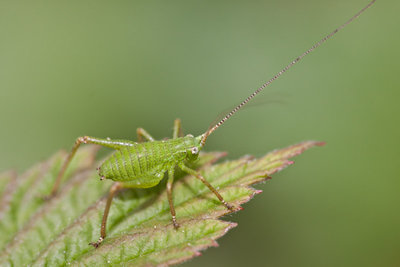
143 164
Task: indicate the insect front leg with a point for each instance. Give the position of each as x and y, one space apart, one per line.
113 190
143 134
177 129
114 144
204 181
169 193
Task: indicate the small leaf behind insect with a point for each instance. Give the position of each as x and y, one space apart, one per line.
140 232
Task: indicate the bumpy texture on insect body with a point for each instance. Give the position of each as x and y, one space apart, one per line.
143 165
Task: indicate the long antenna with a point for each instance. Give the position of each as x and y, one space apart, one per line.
244 102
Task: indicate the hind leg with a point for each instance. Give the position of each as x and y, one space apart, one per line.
113 190
114 144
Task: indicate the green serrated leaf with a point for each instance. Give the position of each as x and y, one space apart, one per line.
140 232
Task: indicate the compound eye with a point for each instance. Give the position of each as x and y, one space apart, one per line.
195 150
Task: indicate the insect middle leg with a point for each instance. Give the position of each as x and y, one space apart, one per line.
113 190
143 134
177 129
169 193
204 181
115 144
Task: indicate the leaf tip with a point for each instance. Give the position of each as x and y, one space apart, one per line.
214 244
257 192
320 143
230 226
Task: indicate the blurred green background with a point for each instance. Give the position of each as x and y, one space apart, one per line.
104 68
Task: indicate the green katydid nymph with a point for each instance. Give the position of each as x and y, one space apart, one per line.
143 164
